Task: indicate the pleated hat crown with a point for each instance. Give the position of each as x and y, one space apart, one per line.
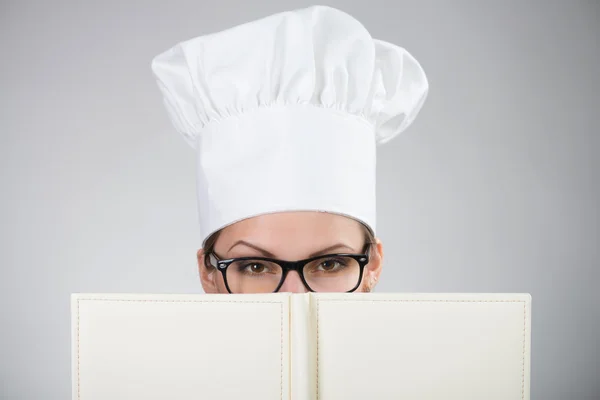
285 113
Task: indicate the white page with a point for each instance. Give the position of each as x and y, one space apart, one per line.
413 346
422 347
142 346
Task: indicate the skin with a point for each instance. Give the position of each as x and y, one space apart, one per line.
292 236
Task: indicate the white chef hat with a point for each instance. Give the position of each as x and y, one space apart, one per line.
285 113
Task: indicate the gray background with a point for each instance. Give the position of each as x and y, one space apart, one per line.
495 188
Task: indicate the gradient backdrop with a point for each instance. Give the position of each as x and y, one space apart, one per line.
495 188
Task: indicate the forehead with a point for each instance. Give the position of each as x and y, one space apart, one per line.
294 234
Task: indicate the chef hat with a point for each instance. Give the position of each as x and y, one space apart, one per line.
285 113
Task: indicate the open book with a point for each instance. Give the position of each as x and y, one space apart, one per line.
301 346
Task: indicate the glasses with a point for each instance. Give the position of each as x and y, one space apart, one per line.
327 273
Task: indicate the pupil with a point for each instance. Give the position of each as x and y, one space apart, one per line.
328 264
256 268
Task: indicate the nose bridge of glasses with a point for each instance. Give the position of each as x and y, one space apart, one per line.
292 265
292 282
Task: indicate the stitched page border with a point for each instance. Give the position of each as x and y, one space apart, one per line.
80 299
319 300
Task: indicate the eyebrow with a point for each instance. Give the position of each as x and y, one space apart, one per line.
331 248
268 254
260 250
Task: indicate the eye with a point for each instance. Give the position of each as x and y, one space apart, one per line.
331 264
255 268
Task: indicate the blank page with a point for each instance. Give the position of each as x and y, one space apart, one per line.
422 346
140 346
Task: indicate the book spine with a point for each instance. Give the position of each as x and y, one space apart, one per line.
302 368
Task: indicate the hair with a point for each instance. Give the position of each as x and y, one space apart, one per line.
209 245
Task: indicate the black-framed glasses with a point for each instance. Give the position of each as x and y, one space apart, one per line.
340 272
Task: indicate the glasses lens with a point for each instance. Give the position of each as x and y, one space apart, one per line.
253 276
332 274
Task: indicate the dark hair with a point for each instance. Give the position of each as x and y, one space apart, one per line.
209 245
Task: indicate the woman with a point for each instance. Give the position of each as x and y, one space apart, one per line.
285 113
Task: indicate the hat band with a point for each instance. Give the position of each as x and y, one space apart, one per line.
285 158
